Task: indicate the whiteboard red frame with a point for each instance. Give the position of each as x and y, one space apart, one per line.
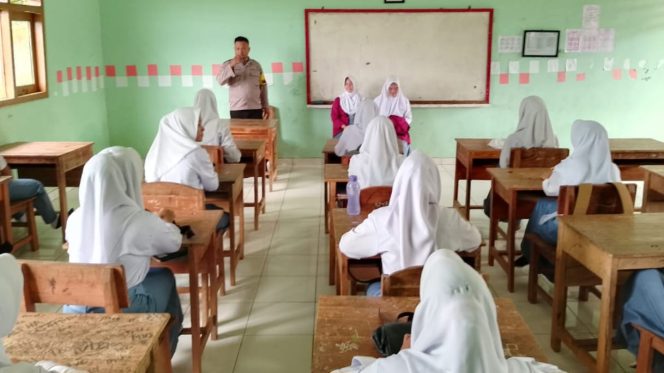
478 10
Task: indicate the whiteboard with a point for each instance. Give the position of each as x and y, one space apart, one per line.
441 56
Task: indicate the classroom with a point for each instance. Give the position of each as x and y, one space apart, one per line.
265 186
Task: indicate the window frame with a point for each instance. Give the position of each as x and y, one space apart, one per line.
35 15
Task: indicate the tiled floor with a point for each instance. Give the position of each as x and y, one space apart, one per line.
267 320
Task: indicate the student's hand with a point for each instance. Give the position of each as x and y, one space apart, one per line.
266 113
166 215
406 342
235 60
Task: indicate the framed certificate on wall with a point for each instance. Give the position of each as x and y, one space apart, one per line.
540 43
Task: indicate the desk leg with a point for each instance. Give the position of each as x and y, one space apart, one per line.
493 223
62 190
332 267
607 305
233 248
215 285
263 202
468 182
196 343
257 206
6 214
326 203
511 225
560 290
161 354
240 209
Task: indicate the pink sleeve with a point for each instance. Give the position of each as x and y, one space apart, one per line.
338 116
401 127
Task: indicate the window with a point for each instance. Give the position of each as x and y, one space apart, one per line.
22 57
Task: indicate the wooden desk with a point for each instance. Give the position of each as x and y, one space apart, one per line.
653 189
259 129
514 193
333 173
473 157
53 163
344 326
201 260
253 154
100 343
340 264
629 154
328 152
230 196
608 246
5 210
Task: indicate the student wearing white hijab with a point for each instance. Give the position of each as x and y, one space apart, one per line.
176 156
352 136
11 292
533 131
455 327
456 233
393 104
112 226
404 232
379 159
344 107
590 162
217 132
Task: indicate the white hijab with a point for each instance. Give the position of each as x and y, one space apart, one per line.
412 220
388 105
206 102
534 129
352 136
350 100
379 159
96 230
175 139
590 161
131 166
455 327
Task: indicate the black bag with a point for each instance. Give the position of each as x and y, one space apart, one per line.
389 337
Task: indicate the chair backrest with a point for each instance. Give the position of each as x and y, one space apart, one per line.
374 197
93 285
403 283
537 157
590 199
649 342
173 196
216 154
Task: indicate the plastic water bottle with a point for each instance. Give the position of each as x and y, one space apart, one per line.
353 192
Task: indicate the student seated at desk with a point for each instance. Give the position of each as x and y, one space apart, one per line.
456 233
393 104
11 293
344 107
533 131
352 136
176 157
112 226
216 132
27 188
404 232
455 327
590 162
644 306
379 159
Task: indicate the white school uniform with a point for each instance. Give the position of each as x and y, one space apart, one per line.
111 226
388 105
217 132
176 157
455 327
534 129
351 138
404 232
379 159
590 161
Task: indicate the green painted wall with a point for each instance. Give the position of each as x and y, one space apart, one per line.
168 32
73 38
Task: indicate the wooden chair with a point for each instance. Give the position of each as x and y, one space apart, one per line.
93 285
182 199
403 283
216 154
537 157
473 258
586 199
648 344
25 206
374 197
